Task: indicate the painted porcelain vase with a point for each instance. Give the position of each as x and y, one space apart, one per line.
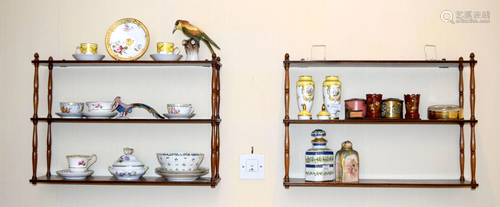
331 95
346 164
319 159
411 103
305 92
373 102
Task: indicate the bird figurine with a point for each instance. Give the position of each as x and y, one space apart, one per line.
124 108
196 33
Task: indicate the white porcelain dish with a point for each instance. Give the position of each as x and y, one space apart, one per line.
70 115
179 116
180 161
128 167
199 170
68 175
88 57
181 176
165 57
99 114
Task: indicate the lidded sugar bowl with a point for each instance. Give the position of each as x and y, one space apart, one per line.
128 167
319 159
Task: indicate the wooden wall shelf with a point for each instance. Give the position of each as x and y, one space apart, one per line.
390 64
110 180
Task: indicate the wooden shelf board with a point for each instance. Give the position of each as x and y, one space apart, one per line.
379 63
111 180
76 63
131 120
377 121
430 183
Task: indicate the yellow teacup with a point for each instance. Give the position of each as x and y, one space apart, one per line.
87 48
166 48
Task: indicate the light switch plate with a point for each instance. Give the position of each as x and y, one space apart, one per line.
252 166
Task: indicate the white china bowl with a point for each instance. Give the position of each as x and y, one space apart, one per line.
180 161
71 107
99 105
88 57
128 173
165 57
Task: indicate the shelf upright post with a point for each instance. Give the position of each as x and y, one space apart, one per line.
472 124
49 116
34 154
217 135
461 103
287 124
213 158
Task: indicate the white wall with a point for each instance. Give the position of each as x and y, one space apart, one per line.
254 37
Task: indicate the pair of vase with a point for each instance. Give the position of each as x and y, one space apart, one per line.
331 94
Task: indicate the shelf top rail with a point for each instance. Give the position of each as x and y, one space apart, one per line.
379 63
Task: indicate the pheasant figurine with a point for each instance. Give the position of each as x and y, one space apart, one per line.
124 108
196 33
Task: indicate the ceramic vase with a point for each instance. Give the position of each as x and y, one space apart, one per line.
346 164
373 102
392 108
305 92
331 95
411 103
319 159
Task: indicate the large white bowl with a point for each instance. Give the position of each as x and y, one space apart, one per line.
180 161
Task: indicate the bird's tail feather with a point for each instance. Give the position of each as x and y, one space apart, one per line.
150 110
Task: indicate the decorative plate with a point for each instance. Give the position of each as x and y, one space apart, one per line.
99 114
165 57
127 39
179 116
88 57
68 175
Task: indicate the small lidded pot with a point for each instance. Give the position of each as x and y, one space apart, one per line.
323 114
392 108
128 167
319 159
355 108
346 164
445 112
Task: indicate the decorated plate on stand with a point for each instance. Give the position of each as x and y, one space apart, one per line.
127 39
68 175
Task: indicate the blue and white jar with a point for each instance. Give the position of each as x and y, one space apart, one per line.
319 159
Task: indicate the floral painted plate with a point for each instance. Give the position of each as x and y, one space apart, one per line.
197 171
179 116
127 39
180 176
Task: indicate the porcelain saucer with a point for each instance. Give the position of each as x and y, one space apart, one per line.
165 57
179 116
99 114
88 57
68 175
181 176
70 115
199 170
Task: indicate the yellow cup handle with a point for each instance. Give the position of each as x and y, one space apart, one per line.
178 50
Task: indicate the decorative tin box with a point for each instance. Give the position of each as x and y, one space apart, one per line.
346 164
319 159
353 107
392 108
445 112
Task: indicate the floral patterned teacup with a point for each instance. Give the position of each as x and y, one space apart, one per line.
167 48
80 163
99 106
71 107
86 48
180 109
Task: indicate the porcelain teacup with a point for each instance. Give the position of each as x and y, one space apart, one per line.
99 106
71 107
86 48
167 48
180 109
80 163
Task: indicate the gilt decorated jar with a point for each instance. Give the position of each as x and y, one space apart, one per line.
319 159
346 164
305 92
